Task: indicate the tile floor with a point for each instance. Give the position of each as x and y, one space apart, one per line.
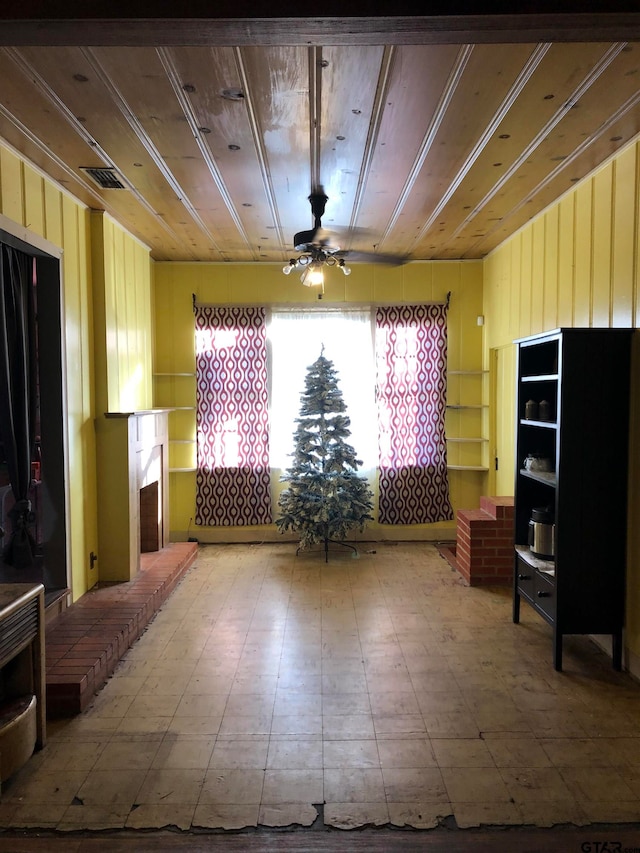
274 690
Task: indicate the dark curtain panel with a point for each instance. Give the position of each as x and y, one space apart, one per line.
18 366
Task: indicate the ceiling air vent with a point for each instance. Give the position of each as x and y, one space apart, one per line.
104 177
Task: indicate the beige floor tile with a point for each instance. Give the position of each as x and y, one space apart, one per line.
287 814
296 724
461 752
476 785
392 704
225 816
93 817
173 785
419 815
458 724
232 787
405 725
128 755
196 726
111 787
354 785
33 815
350 753
605 784
536 783
414 785
520 752
293 786
289 702
345 703
245 724
545 813
354 815
143 726
184 752
470 815
294 754
347 726
158 816
236 754
406 752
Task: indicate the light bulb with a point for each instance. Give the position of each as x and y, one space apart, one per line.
286 269
316 276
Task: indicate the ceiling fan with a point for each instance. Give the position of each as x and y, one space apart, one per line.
319 247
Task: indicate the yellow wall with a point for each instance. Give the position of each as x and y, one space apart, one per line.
107 272
122 295
174 285
35 203
575 265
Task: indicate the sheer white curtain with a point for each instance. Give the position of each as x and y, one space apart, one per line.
296 339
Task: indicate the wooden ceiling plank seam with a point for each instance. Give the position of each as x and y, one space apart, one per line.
464 54
47 92
513 94
315 115
172 74
597 70
258 137
628 105
382 90
136 126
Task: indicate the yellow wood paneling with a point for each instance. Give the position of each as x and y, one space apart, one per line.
582 304
583 253
566 260
601 246
33 200
550 275
11 188
624 235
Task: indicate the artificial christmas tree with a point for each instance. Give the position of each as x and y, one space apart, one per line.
326 498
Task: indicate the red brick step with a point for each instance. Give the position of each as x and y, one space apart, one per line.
86 641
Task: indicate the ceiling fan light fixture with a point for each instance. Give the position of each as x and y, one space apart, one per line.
345 269
288 267
313 275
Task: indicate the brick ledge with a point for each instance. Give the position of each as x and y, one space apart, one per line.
86 641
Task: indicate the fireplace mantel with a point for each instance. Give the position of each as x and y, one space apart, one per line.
133 452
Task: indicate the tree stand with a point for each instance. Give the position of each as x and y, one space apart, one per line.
334 542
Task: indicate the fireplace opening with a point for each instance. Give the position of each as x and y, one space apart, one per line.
150 518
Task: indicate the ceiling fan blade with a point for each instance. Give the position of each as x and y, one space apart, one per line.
374 258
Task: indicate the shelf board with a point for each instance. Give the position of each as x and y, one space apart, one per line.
457 406
182 441
466 372
549 478
467 468
543 424
541 377
181 470
174 374
547 567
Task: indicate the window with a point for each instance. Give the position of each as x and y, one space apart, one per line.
252 369
296 339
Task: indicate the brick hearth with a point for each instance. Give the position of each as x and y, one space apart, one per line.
84 643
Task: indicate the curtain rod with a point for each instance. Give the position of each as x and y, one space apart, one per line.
327 306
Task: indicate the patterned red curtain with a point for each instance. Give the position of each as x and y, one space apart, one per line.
233 480
411 357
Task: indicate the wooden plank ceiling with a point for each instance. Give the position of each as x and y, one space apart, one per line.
425 150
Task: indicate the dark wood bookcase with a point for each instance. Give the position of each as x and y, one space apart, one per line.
584 376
